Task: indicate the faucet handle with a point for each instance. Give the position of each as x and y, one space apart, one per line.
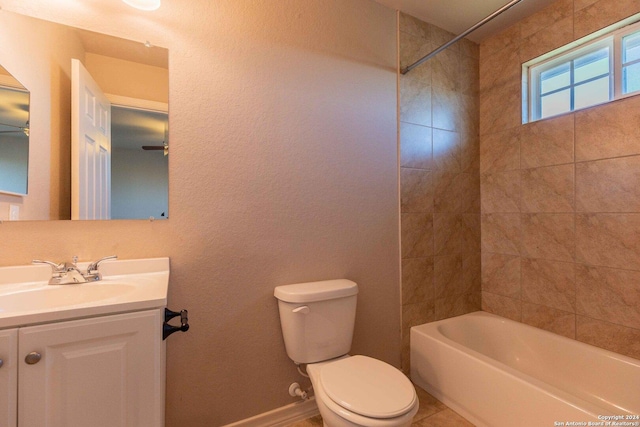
94 265
54 266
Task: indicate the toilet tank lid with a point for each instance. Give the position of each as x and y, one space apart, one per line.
316 291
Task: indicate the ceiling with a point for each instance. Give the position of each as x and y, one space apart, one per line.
458 15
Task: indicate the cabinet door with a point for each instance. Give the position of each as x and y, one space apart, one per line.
8 377
106 371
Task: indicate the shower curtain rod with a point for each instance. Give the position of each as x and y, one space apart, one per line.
458 37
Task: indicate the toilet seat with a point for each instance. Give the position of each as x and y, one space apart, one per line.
368 387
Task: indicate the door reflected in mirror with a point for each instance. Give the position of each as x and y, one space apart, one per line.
14 135
133 75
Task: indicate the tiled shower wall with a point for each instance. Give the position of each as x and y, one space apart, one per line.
560 197
440 180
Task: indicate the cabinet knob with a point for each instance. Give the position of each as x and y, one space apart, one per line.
33 358
1 363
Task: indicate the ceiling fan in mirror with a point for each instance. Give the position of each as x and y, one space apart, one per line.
164 147
14 129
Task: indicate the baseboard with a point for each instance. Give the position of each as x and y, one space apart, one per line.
281 417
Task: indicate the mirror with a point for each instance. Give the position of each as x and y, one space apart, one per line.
133 76
14 135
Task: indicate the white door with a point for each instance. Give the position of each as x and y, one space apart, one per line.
100 372
90 147
8 377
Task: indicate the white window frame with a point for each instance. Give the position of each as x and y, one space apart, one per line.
608 37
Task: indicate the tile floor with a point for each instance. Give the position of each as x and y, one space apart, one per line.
432 413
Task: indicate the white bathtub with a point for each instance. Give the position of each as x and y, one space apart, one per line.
496 372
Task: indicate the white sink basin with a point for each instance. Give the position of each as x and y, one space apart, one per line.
26 298
63 295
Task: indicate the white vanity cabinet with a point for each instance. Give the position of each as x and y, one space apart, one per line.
100 371
8 377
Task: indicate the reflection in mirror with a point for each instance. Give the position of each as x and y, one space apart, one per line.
139 163
14 135
130 74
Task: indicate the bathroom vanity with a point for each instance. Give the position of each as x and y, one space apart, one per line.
88 354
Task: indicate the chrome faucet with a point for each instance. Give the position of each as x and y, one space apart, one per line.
68 273
93 274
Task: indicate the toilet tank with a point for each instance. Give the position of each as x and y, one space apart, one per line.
317 318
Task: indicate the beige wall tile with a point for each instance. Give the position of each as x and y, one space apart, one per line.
552 37
609 294
581 4
446 70
412 48
443 99
546 17
446 151
612 337
439 37
547 318
495 116
448 276
414 26
472 272
417 235
501 68
601 14
456 305
469 75
416 190
415 146
447 108
501 274
549 283
470 150
609 240
500 151
456 192
548 189
501 233
499 41
470 225
611 185
501 192
469 48
548 236
416 314
447 234
502 306
547 142
415 100
417 280
608 130
542 288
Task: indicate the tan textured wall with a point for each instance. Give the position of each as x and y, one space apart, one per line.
560 198
49 184
283 169
125 78
440 181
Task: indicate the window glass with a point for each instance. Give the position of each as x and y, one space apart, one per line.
631 78
555 78
591 93
592 65
556 103
631 48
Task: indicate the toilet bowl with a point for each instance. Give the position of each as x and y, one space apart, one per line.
357 391
317 322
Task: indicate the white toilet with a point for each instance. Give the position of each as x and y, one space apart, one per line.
317 321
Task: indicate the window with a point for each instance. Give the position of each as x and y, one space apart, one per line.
584 74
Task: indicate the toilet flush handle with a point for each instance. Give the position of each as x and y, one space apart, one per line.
302 310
